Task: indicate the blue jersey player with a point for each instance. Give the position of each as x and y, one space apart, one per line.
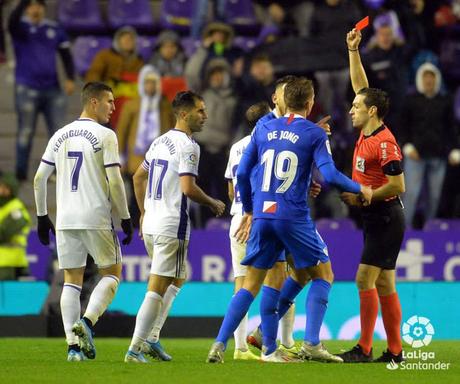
282 151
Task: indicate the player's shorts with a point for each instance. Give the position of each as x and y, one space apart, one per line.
383 229
73 246
269 237
168 254
238 250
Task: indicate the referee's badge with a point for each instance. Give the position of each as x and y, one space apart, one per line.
360 164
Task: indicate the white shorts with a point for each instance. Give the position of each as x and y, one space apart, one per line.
168 254
73 246
237 249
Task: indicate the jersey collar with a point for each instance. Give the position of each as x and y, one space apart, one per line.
378 130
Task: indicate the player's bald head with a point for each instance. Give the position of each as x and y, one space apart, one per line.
297 93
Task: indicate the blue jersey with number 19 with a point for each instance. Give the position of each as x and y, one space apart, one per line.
283 151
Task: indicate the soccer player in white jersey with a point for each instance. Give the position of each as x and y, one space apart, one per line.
85 156
170 169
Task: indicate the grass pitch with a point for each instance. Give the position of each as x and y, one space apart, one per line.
44 361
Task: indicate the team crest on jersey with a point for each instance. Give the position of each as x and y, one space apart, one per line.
269 207
360 164
192 159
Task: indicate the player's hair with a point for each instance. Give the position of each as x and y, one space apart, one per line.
93 90
256 111
378 98
185 101
298 92
284 80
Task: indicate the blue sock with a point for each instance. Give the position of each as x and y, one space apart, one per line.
316 306
236 310
269 317
289 291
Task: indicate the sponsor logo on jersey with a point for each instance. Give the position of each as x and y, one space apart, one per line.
270 207
360 164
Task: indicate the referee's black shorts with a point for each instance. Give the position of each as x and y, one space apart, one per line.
383 229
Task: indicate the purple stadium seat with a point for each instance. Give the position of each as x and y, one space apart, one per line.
241 16
177 14
80 16
441 225
136 13
245 43
85 48
334 224
190 45
215 224
145 45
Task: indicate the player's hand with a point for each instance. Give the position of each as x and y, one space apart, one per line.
366 195
217 207
351 199
323 123
315 189
243 231
44 226
353 39
127 228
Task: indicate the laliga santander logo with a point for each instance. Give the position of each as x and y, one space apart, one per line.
417 331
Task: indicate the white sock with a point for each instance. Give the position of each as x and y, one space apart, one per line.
101 297
168 299
148 313
241 333
70 310
287 327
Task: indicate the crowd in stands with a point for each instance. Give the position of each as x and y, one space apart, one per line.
232 52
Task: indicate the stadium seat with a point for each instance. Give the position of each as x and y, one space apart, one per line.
245 43
177 15
145 45
441 225
241 16
136 13
335 224
215 224
85 48
190 45
80 16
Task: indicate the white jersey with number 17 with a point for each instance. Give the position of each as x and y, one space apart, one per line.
170 156
81 151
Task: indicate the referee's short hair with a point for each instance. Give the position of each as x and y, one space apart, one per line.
256 111
298 92
377 98
185 101
93 89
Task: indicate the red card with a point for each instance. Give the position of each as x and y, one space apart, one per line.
361 24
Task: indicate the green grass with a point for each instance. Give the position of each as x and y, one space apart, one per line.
43 361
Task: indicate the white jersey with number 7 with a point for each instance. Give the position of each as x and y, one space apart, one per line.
81 151
170 156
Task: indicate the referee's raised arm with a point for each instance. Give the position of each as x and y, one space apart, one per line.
357 72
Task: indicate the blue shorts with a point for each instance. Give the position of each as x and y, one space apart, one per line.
269 237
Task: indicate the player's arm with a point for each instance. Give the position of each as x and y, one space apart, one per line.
231 191
394 187
44 224
357 72
117 191
194 192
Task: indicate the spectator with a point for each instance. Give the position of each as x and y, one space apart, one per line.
217 42
332 19
220 101
253 87
142 119
201 14
36 41
168 57
118 67
387 64
14 228
429 138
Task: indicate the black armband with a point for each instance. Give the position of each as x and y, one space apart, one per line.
393 168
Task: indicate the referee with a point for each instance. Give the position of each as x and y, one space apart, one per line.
376 163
